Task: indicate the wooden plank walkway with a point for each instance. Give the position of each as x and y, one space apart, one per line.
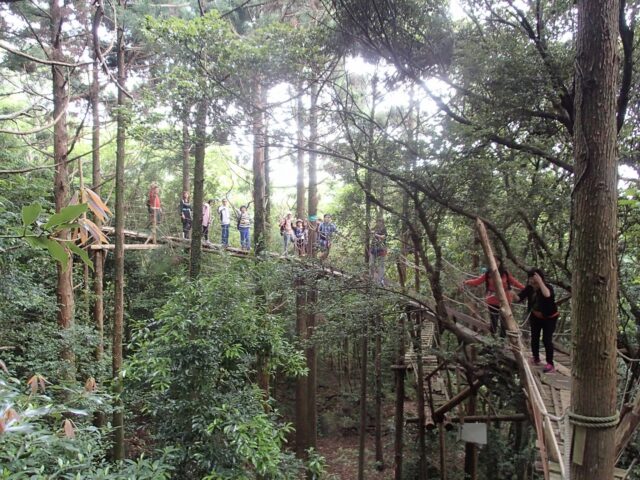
435 387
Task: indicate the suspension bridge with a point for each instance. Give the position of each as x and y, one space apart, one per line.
558 439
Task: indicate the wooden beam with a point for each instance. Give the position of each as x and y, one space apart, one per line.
514 417
627 426
438 414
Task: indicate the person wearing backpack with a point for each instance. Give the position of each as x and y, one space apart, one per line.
224 213
244 224
493 303
543 316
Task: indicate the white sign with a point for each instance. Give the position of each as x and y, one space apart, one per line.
474 433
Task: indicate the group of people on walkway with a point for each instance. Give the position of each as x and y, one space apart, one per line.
225 212
541 305
294 233
297 233
185 210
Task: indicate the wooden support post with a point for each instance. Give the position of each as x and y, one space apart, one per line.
443 457
438 414
627 426
154 225
399 417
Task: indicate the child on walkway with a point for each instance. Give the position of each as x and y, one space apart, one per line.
186 214
543 316
244 224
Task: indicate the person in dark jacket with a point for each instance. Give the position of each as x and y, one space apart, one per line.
543 316
185 214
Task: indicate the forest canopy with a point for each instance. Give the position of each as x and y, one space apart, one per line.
307 239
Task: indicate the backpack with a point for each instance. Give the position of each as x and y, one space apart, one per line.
486 281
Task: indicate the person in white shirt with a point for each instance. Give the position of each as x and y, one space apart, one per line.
224 212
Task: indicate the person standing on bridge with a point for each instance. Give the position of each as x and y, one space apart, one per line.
543 316
244 224
508 281
378 251
153 204
286 230
206 221
326 230
300 234
224 212
186 214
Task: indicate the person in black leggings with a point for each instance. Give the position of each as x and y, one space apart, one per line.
543 316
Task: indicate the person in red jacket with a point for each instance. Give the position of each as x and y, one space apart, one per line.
153 204
508 282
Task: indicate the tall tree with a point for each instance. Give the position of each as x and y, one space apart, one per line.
595 277
118 316
99 255
60 75
198 187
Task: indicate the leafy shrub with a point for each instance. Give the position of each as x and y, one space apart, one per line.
41 439
194 367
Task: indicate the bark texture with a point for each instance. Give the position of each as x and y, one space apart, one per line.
118 317
259 180
198 189
64 288
595 279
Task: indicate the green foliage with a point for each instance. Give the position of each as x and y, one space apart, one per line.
193 366
41 438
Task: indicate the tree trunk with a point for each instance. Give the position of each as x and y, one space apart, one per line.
399 414
64 288
470 449
301 407
98 255
259 229
364 348
198 189
313 168
300 197
312 365
378 385
421 404
312 295
595 279
186 153
118 317
267 172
